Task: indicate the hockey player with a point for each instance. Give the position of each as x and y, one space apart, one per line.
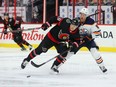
57 37
13 24
88 31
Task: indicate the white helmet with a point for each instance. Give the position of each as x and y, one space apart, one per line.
85 11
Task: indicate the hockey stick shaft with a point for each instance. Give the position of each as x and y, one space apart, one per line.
15 31
37 66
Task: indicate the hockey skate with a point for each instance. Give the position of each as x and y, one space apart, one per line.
30 47
24 63
103 69
23 49
54 69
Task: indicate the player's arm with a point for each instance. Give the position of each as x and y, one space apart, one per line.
95 31
54 19
11 24
5 27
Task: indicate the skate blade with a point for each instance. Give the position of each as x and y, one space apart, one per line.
53 72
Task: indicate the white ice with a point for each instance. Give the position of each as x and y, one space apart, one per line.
79 71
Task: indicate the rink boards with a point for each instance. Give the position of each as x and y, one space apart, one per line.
107 40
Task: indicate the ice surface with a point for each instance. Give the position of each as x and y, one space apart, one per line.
79 71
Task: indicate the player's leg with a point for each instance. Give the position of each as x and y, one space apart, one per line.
26 43
22 47
57 63
60 58
63 57
42 48
31 55
96 55
18 40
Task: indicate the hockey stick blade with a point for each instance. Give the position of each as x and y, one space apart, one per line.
36 65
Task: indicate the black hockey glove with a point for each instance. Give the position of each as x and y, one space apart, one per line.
45 26
73 47
5 31
64 44
19 30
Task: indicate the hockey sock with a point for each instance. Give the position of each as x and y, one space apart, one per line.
97 56
21 46
99 61
26 43
59 60
32 55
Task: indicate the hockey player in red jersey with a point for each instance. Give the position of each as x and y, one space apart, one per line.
13 24
88 31
57 37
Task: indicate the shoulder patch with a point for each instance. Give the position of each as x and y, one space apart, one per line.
68 20
59 18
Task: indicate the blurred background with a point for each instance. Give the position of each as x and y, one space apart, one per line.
39 11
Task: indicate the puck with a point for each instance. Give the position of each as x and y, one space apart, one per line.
28 76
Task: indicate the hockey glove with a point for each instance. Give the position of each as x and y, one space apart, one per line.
45 26
64 44
19 30
5 31
73 47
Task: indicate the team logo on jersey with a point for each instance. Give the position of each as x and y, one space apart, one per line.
68 20
63 36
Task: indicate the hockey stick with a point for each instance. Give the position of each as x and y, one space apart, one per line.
15 31
37 66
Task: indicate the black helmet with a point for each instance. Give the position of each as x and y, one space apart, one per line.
6 14
74 21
